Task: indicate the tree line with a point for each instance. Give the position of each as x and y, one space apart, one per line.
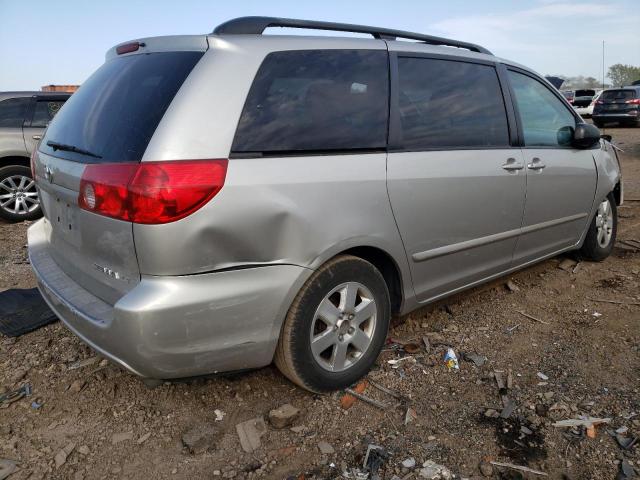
618 74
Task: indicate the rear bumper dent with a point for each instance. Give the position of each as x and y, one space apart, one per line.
176 327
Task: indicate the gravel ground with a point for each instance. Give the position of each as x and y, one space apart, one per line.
97 421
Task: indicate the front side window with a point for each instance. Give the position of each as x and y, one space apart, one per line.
319 100
44 112
450 104
12 112
546 121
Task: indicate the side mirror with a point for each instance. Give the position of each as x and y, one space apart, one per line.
585 135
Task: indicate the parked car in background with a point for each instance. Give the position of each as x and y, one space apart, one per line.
23 119
217 202
618 105
586 111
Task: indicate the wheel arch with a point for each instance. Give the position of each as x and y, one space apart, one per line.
12 160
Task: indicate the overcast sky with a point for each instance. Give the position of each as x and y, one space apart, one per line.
62 42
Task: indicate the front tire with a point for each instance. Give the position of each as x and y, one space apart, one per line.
602 232
336 326
18 195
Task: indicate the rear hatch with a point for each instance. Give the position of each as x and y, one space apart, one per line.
108 121
619 101
582 98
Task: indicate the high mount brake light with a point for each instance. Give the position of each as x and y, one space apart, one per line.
150 192
128 47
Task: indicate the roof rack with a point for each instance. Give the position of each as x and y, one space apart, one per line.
257 25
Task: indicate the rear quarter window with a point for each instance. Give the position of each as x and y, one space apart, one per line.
316 101
116 111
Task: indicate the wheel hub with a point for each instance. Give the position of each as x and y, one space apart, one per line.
18 195
343 326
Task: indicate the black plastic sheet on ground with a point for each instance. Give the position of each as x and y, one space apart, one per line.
22 311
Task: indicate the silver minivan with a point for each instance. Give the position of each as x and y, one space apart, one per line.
217 202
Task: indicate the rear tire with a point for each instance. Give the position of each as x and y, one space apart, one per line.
602 232
336 326
18 194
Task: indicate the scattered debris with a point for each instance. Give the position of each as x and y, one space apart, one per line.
200 439
83 363
15 395
486 469
250 432
61 456
410 416
7 467
596 314
512 287
411 347
432 471
219 415
542 376
283 416
366 399
627 472
581 422
375 457
531 317
567 264
518 467
626 443
325 448
77 386
347 400
409 462
37 403
121 437
83 450
508 409
386 390
143 438
616 302
427 344
476 359
451 360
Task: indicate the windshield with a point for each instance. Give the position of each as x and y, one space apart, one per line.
115 112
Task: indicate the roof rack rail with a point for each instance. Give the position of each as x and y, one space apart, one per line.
257 25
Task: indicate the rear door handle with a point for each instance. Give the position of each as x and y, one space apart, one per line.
536 164
37 137
512 166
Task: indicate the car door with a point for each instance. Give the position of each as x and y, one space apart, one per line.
455 182
41 113
561 179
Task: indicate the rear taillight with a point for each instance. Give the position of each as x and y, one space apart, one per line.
599 102
32 163
150 192
635 101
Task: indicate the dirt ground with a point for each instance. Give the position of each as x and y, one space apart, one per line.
97 421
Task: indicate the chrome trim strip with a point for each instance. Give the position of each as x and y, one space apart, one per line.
496 237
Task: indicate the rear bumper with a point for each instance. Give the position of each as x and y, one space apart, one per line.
615 117
176 327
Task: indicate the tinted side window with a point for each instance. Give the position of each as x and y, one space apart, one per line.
44 112
450 104
12 111
546 121
316 101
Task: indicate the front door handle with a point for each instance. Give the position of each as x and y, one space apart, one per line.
512 166
37 137
536 164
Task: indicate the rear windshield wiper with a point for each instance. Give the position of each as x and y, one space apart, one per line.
71 148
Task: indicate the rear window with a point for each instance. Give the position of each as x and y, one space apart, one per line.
12 112
612 95
316 101
45 111
585 93
115 112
